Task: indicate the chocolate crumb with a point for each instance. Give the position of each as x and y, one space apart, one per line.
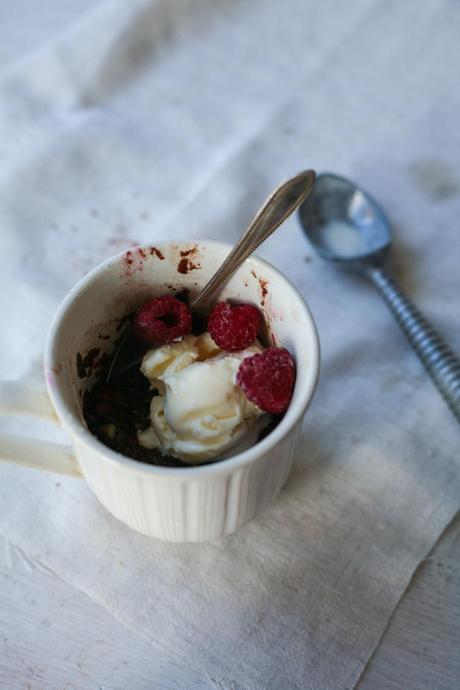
81 371
183 266
86 364
263 288
158 254
183 295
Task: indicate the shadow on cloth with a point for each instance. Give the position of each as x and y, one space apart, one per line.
146 36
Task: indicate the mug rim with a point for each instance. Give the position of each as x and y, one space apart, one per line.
74 425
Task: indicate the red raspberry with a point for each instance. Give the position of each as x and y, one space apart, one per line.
268 379
162 320
234 327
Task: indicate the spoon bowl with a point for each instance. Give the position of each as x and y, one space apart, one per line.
343 222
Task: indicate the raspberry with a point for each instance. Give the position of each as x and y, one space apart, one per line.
268 379
234 327
162 320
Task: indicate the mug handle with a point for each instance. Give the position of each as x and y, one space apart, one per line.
17 398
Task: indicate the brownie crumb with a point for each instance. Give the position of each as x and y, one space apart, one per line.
158 254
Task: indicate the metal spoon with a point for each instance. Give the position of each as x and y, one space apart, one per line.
346 226
279 205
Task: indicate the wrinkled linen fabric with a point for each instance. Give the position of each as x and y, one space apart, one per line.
143 121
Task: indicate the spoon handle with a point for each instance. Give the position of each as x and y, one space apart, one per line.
438 359
280 204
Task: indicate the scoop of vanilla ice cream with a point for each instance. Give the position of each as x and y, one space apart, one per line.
200 412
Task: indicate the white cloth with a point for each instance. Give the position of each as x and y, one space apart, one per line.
149 120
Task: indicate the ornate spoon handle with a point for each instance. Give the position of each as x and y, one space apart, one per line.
280 204
438 359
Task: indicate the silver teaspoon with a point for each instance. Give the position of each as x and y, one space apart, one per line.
345 225
279 205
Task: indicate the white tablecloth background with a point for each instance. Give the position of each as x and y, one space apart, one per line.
147 120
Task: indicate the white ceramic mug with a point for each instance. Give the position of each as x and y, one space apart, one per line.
173 504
